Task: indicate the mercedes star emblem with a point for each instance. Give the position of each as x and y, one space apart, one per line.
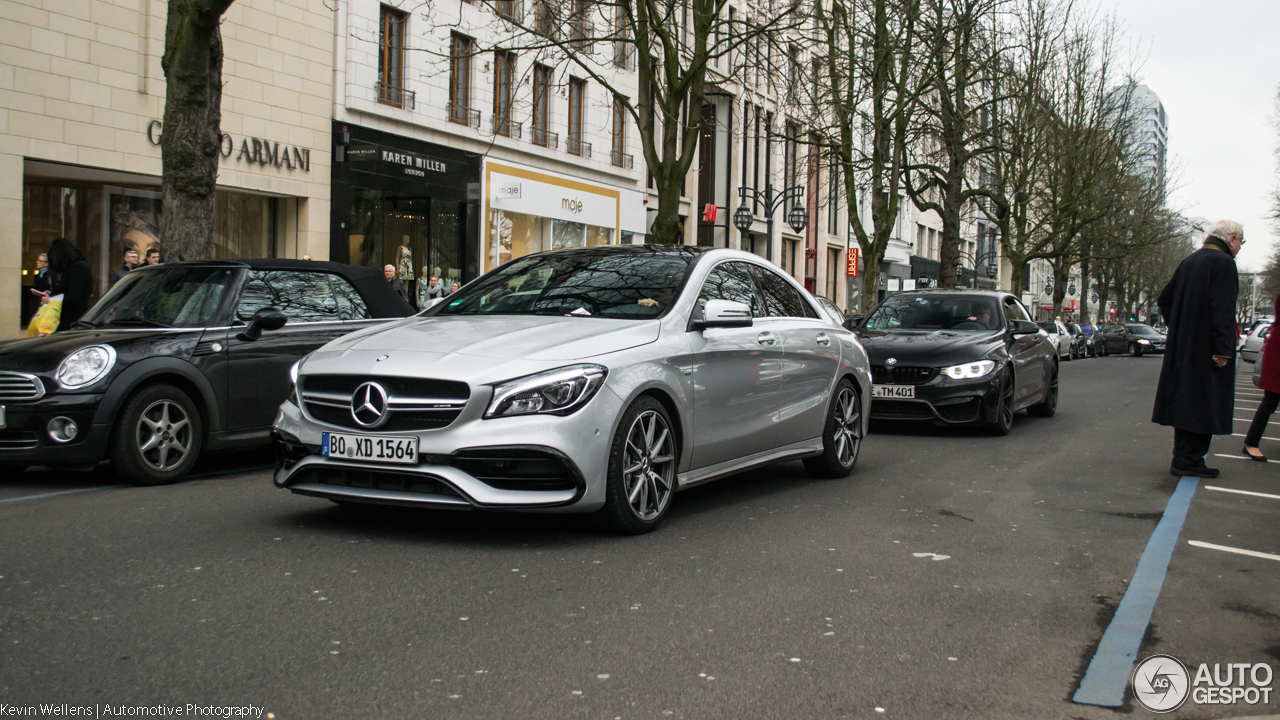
369 405
891 361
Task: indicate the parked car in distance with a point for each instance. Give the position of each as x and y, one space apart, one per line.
1091 337
1079 341
1059 336
1136 339
959 356
1257 370
175 360
1161 328
1251 344
599 379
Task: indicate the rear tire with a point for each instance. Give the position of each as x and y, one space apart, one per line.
157 436
1049 405
641 476
841 435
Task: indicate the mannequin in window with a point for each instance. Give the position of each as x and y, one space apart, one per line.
405 262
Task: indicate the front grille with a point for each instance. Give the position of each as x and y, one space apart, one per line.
966 411
905 375
374 480
901 410
19 386
516 468
411 401
14 440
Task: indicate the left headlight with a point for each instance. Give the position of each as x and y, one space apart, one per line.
86 366
554 392
293 384
1144 342
969 371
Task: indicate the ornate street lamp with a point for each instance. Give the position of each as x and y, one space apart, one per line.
797 217
742 217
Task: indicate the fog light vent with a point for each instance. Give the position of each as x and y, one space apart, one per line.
63 429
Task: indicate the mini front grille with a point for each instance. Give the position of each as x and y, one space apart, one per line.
15 440
413 403
905 375
901 410
15 386
516 468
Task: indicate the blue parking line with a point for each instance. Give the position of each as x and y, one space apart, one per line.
63 492
1108 674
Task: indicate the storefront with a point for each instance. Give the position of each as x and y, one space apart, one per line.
405 203
528 211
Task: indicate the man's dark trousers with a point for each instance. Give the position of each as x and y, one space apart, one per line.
1189 448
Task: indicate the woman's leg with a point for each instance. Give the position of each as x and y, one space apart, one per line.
1260 418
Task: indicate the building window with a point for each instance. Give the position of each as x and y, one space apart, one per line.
504 69
460 82
619 155
509 9
580 30
833 201
542 107
391 57
833 273
577 97
789 256
544 18
790 159
623 51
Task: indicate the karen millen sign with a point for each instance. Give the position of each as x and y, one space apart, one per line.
252 150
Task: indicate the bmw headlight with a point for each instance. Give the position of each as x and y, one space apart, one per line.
86 366
555 392
1144 342
969 371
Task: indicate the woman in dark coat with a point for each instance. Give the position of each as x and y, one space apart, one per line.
1269 381
77 280
1196 392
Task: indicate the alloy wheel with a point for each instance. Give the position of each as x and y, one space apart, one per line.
163 435
648 465
1005 418
848 427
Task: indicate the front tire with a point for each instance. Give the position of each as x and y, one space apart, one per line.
841 435
157 436
642 469
1135 350
1049 405
1003 424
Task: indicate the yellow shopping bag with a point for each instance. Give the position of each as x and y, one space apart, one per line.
46 320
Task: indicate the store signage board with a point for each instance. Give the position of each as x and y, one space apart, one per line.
908 284
544 199
509 191
851 266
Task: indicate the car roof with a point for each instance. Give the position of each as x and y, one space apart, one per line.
957 291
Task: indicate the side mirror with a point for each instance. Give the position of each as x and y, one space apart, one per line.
267 318
853 322
723 313
1024 327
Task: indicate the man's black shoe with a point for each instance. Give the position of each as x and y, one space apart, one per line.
1203 471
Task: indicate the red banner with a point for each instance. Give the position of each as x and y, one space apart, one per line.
851 268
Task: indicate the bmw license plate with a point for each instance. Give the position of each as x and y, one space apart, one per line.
893 391
402 450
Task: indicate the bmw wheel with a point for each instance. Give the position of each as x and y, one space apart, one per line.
642 469
157 436
1135 350
841 437
1003 424
1049 406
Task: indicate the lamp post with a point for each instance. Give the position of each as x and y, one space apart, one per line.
988 258
797 216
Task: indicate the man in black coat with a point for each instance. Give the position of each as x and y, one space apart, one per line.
396 283
1196 393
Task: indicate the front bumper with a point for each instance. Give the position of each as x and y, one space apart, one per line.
25 439
519 463
945 401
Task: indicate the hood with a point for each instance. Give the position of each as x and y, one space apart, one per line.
529 337
937 348
45 353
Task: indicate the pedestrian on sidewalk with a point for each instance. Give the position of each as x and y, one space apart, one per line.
1196 392
1269 382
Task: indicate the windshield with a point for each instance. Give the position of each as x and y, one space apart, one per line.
1143 330
628 285
935 312
166 297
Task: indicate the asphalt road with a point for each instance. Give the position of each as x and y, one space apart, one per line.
766 595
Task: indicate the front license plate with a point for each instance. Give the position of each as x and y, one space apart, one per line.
893 391
402 450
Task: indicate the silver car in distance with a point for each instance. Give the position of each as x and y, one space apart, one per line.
587 380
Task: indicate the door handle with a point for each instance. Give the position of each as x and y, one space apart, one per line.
765 338
823 339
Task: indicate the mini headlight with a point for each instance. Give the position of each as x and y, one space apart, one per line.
969 371
555 392
86 366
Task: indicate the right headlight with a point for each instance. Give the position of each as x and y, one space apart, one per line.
86 366
554 392
969 371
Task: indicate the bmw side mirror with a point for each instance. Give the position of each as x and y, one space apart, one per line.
267 318
1024 327
854 322
722 313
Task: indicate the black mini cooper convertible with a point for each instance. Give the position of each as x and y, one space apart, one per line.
176 359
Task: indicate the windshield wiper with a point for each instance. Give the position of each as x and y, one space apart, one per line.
83 324
139 321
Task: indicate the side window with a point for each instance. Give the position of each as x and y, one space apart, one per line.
301 296
1013 309
350 305
731 281
780 298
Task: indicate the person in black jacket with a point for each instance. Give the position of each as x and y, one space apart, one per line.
77 280
396 283
43 284
1196 392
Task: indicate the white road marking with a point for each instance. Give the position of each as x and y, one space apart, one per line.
1238 551
1264 437
1242 457
1241 492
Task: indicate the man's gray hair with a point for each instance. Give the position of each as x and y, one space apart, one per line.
1226 231
389 267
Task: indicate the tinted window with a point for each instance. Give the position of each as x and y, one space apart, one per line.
1014 310
731 281
1143 330
176 297
1048 327
350 305
301 296
630 284
935 312
781 299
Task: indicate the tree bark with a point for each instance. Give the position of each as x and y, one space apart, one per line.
191 138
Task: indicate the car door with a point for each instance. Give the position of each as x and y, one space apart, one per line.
259 369
1027 353
735 381
810 358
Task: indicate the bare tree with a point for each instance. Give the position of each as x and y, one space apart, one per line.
192 134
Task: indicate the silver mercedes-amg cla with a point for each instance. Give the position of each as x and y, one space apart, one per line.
589 380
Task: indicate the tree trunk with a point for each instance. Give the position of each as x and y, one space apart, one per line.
1017 277
870 281
191 138
949 248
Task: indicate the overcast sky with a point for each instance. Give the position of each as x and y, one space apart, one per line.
1216 69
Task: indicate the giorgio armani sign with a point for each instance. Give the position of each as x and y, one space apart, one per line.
251 150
